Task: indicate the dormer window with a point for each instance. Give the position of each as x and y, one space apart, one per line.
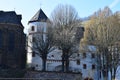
32 28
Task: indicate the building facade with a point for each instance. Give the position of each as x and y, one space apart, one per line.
37 24
84 62
12 41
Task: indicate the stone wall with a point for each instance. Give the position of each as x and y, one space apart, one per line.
52 75
12 50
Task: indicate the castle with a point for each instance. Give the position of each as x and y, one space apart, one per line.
84 61
13 48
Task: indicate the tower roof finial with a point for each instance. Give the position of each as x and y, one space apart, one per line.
40 5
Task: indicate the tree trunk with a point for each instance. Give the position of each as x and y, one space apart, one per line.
114 73
44 65
63 65
67 62
99 65
44 58
63 61
67 65
107 61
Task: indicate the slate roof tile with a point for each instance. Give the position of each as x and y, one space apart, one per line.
10 17
39 16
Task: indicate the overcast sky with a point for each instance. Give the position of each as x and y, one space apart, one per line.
28 8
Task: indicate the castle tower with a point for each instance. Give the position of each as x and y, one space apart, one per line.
37 24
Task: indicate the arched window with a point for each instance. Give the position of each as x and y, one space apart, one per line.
11 41
32 28
1 39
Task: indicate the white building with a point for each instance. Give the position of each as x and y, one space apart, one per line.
81 62
36 25
88 62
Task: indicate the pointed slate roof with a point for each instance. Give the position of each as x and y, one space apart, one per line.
39 16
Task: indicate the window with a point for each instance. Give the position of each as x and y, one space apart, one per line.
33 39
84 55
52 55
84 66
78 62
36 65
83 29
93 66
78 55
93 55
33 54
11 44
59 48
32 28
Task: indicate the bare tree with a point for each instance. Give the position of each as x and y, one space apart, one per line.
43 43
65 20
103 30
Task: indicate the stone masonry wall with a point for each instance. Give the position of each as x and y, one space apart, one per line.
53 75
